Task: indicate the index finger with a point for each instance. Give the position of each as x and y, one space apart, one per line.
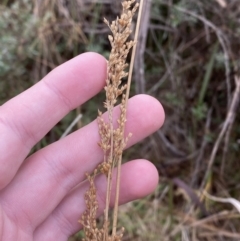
25 119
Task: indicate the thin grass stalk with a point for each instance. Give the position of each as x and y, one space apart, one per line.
134 52
115 211
109 180
115 215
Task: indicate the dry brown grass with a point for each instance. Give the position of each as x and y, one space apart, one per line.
113 139
188 60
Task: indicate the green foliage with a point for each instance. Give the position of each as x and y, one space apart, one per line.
17 26
199 112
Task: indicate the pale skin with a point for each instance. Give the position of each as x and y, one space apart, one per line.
42 196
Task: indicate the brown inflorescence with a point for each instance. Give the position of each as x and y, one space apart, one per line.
112 137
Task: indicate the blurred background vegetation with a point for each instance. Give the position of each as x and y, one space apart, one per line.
188 58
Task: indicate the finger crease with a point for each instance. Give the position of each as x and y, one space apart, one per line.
66 101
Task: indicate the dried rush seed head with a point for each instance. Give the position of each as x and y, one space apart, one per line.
112 140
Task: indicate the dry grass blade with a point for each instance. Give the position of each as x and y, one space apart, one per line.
232 201
222 3
226 125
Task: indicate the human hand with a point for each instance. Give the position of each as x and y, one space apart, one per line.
42 196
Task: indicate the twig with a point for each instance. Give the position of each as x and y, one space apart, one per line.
222 3
227 124
74 122
167 64
202 149
236 98
225 148
194 198
169 146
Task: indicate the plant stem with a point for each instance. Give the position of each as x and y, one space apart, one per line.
133 52
115 214
109 179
